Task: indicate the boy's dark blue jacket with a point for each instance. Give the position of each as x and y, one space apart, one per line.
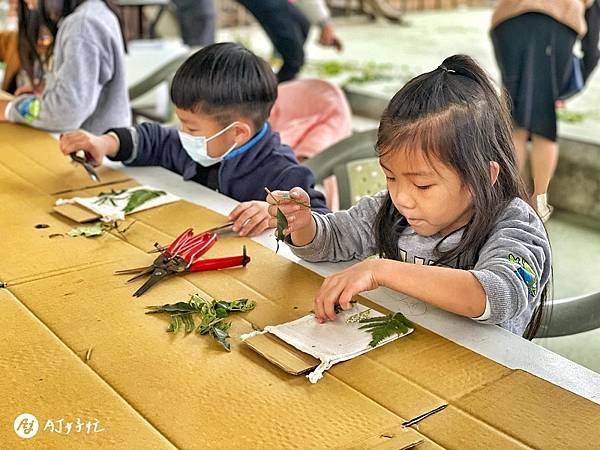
262 162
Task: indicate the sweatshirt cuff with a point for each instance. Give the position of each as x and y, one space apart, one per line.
127 144
7 109
313 248
498 294
486 313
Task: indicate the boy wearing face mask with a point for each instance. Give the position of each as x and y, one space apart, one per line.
223 95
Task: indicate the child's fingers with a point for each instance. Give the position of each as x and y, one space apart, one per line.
345 299
254 227
249 225
275 197
246 215
300 194
327 298
239 209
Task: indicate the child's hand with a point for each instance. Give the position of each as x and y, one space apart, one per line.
295 206
250 218
97 146
341 287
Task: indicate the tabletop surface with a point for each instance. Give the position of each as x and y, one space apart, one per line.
493 342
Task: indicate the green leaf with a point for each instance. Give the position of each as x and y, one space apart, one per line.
178 307
383 327
139 197
222 337
188 321
212 314
96 229
175 324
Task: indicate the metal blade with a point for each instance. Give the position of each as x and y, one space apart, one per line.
158 275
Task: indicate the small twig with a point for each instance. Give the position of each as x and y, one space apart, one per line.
88 354
287 197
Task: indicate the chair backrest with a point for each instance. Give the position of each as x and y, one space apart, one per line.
354 163
571 315
164 73
357 179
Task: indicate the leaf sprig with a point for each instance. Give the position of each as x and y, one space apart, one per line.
212 315
282 222
134 198
383 327
99 228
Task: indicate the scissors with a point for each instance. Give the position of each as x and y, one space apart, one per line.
182 256
88 164
216 230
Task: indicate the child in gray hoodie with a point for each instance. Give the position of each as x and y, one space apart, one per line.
452 229
85 86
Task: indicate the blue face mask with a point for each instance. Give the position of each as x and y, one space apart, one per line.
197 147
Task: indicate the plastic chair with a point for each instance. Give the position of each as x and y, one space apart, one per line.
312 115
571 316
164 73
354 163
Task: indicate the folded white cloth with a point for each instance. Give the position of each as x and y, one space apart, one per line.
331 342
110 212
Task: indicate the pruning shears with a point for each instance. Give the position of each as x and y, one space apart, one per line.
87 162
181 256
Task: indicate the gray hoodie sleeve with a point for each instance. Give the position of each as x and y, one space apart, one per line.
72 89
344 235
514 266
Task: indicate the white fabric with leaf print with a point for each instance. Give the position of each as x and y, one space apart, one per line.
331 342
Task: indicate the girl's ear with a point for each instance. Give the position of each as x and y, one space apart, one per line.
494 171
242 132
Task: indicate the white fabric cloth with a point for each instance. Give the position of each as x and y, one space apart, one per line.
110 212
330 342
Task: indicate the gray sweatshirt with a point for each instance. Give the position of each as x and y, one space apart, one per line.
513 266
85 86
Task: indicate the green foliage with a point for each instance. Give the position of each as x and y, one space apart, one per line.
108 197
570 116
383 327
99 228
134 198
282 222
211 313
139 197
96 229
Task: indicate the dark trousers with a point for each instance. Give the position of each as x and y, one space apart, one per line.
287 29
196 21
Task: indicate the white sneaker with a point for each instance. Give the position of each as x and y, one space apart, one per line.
543 208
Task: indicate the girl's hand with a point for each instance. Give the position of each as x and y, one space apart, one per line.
250 218
97 146
295 206
341 287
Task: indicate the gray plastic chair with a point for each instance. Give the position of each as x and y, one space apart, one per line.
355 165
166 72
571 316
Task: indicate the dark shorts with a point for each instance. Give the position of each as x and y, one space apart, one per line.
534 52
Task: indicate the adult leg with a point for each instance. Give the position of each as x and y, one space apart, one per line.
520 139
196 21
274 16
544 158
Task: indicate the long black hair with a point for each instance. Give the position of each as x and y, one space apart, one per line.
454 114
47 15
